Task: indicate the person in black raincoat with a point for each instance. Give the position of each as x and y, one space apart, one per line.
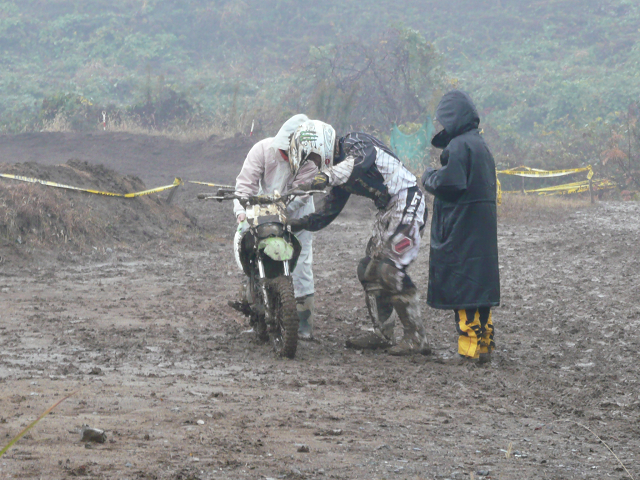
463 260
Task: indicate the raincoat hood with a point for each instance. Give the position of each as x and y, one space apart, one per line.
457 114
283 139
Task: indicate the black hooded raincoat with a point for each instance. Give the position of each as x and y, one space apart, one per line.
463 262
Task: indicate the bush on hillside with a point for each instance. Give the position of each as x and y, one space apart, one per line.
394 78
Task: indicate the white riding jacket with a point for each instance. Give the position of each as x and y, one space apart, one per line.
264 171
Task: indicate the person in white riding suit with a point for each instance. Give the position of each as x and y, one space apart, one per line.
265 170
362 165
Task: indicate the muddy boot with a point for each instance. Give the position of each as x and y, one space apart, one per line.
369 341
306 313
457 360
484 358
415 338
382 337
381 313
486 344
409 345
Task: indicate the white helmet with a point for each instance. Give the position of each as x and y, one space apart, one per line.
312 136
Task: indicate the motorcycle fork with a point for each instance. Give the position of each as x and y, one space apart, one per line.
263 284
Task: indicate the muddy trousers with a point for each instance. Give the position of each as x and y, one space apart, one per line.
476 331
394 245
387 289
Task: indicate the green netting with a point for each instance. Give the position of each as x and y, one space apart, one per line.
413 149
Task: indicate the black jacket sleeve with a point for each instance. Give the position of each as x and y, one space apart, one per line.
449 182
331 208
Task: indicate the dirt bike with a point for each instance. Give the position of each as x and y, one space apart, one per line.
268 253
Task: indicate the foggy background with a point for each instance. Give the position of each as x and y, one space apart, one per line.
556 82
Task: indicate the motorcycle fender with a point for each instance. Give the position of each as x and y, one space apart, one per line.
277 248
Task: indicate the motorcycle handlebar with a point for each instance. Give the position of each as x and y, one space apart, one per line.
257 199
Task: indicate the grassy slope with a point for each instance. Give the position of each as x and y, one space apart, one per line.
526 63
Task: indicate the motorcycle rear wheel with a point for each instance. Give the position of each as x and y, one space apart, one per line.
284 336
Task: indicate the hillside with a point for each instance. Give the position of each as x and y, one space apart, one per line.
534 68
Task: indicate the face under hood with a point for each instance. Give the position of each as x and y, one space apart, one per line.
457 114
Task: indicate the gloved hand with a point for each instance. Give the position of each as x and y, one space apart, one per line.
319 182
444 157
425 176
382 200
297 224
243 227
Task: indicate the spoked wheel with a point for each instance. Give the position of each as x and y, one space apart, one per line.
284 335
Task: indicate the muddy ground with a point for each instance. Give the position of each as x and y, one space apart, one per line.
143 335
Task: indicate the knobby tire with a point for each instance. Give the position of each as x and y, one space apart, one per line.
285 338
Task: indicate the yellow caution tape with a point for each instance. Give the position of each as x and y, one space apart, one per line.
569 188
177 182
534 172
564 189
213 184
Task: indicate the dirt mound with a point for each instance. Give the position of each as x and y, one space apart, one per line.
118 162
155 159
36 216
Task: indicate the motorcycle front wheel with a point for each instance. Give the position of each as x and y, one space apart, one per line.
284 334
